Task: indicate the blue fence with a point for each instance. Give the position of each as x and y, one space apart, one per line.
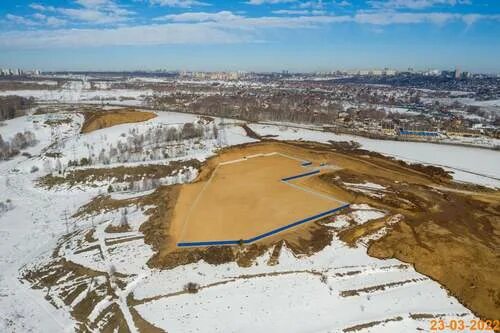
267 234
418 133
300 175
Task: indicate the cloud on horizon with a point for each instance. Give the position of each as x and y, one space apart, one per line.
415 4
107 22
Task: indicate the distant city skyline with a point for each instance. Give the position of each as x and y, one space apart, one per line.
4 71
250 35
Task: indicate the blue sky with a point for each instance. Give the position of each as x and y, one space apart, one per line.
261 35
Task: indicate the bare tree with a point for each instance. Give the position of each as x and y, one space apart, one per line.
124 219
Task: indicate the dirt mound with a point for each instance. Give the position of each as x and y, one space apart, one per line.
117 174
250 132
449 233
95 120
251 190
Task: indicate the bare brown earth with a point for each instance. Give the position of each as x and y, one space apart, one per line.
95 120
449 232
255 200
58 122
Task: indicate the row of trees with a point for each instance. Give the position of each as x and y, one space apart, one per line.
146 184
6 206
156 143
270 106
21 140
166 134
13 106
50 166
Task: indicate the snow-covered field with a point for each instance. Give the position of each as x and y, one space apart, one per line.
80 92
38 218
468 164
338 288
322 293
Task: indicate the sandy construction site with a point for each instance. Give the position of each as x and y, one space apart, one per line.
247 198
227 206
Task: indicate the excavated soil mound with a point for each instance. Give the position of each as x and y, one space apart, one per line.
95 120
449 232
247 198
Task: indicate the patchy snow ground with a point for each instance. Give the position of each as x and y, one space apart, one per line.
38 218
335 289
31 228
361 214
370 189
468 164
80 92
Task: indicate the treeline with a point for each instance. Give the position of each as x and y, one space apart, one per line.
20 141
156 143
6 206
285 107
182 176
14 106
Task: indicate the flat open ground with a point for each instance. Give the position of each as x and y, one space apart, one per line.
246 198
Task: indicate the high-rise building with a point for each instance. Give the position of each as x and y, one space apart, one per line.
390 72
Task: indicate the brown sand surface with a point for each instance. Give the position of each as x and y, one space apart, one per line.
450 232
95 120
244 199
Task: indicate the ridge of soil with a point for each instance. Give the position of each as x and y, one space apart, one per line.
95 120
118 174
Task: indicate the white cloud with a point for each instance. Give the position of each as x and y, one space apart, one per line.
38 20
200 17
227 19
92 15
391 17
271 2
186 28
55 22
94 3
194 27
415 4
342 3
317 4
89 11
139 35
39 16
42 8
20 20
291 12
298 12
386 18
178 3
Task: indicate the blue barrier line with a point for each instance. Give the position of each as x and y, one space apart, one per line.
208 243
294 224
300 175
267 234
